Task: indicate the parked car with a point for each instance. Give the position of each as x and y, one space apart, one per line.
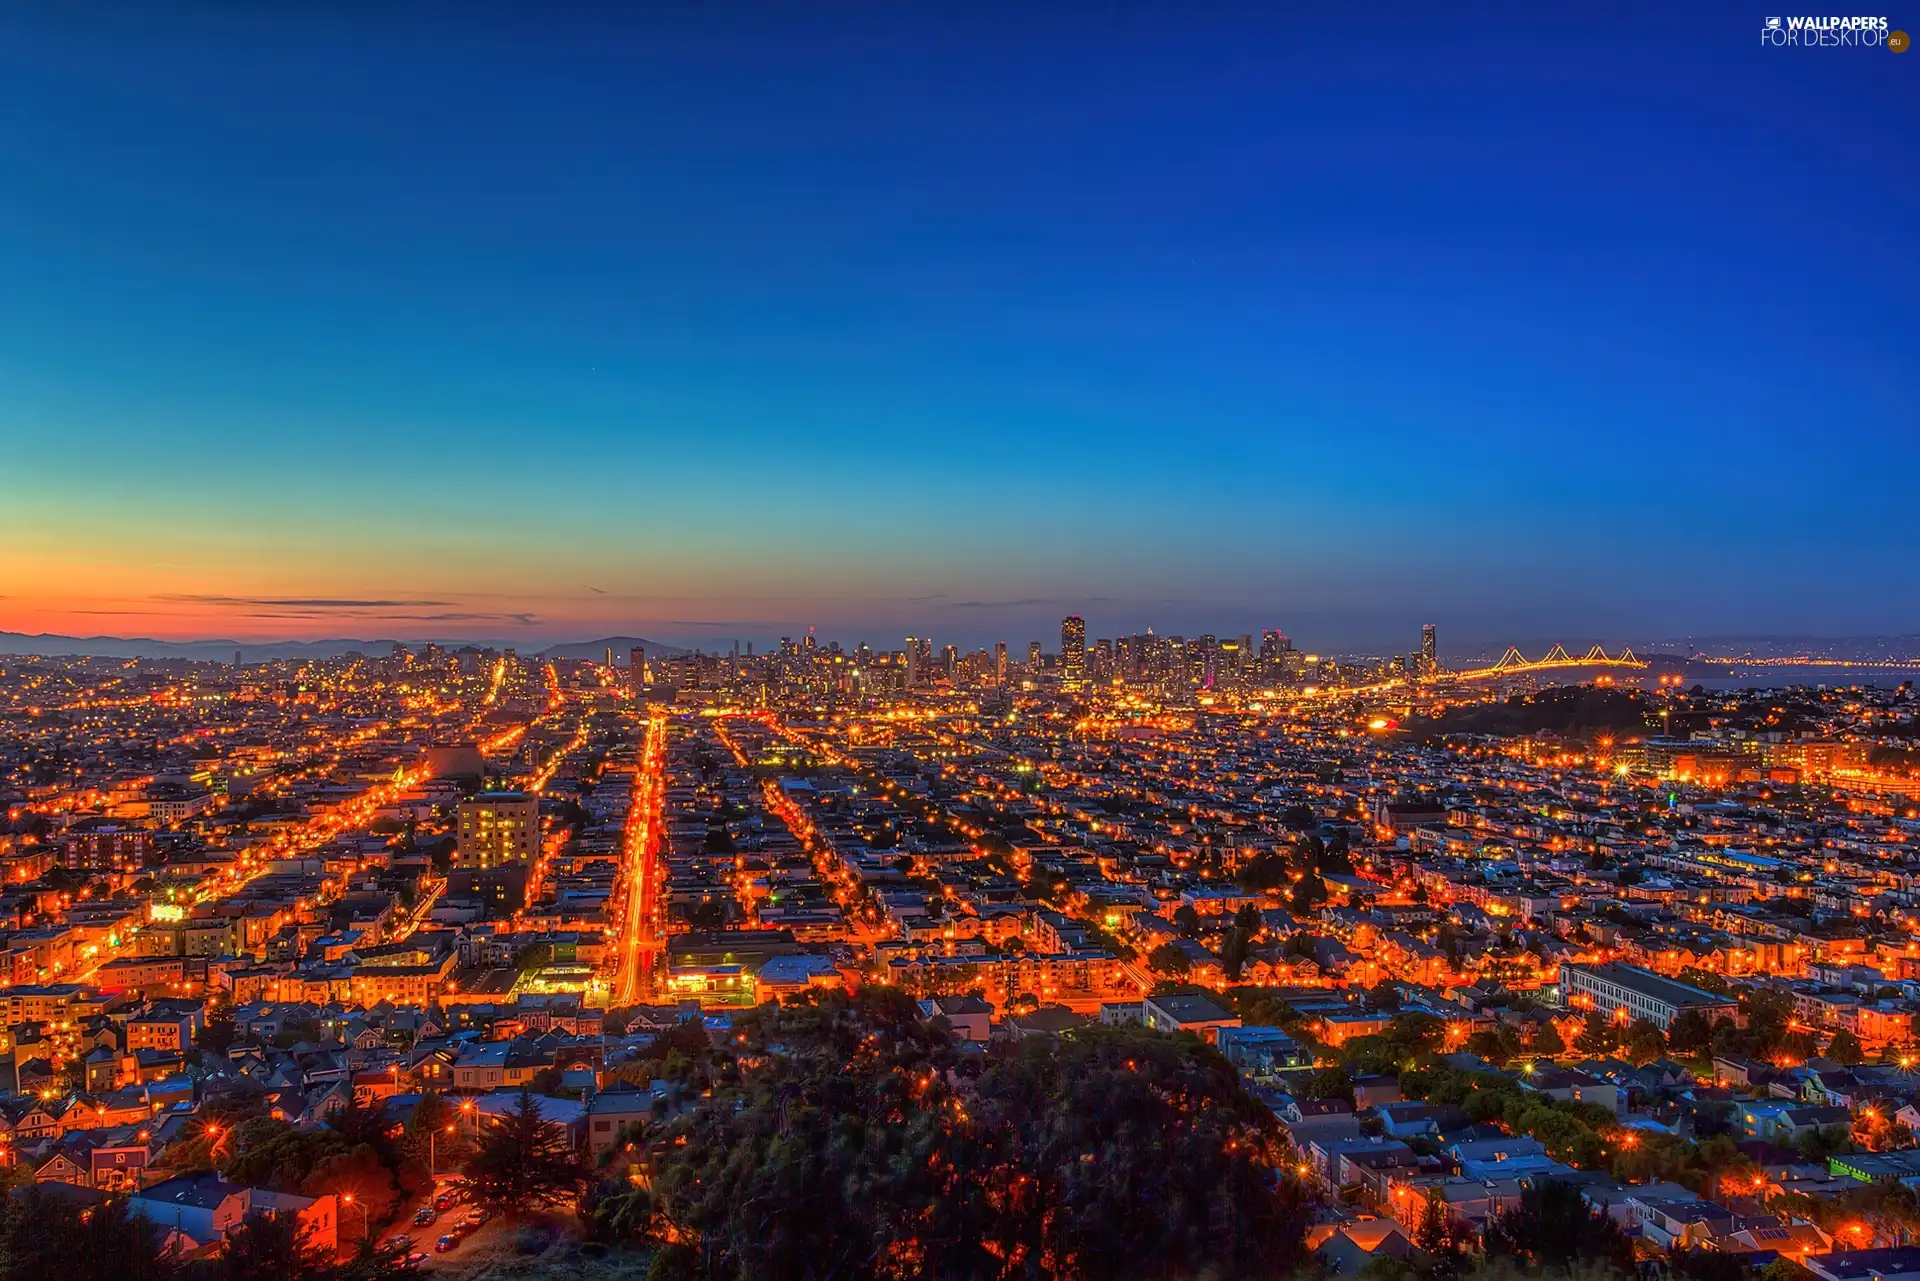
424 1215
446 1243
400 1243
417 1258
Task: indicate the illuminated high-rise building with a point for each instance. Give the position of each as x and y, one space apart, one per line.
1429 651
496 829
1000 660
1073 652
1033 658
1103 662
1231 658
919 661
636 668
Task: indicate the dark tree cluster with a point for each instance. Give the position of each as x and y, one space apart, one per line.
1576 710
44 1234
872 1144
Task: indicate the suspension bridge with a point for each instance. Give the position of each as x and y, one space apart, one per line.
1514 663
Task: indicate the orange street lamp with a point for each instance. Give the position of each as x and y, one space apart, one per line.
366 1219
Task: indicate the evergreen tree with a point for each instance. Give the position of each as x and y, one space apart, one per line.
271 1247
1644 1042
1547 1041
1169 959
1235 948
1308 894
524 1161
45 1236
1844 1048
1553 1227
1596 1037
1263 872
1690 1032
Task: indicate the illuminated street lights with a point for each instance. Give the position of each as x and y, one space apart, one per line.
213 1133
366 1220
433 1159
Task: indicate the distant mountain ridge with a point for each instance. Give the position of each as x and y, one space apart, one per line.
618 644
48 645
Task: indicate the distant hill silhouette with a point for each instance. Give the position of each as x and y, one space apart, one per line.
221 651
618 644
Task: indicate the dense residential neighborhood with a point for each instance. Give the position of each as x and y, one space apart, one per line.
305 940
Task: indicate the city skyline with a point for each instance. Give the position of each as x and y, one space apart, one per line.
867 640
673 326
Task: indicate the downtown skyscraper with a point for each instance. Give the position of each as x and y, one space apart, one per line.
1073 652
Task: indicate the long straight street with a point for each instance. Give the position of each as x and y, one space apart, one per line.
640 924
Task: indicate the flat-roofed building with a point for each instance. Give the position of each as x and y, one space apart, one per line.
102 845
1641 994
1187 1012
498 828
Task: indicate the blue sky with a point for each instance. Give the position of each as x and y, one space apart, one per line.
725 319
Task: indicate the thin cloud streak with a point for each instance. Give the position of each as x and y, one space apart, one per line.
524 620
188 598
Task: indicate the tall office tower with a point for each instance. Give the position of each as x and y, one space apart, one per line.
636 668
1073 652
949 659
1000 660
1033 658
1103 662
1429 651
1229 665
913 662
